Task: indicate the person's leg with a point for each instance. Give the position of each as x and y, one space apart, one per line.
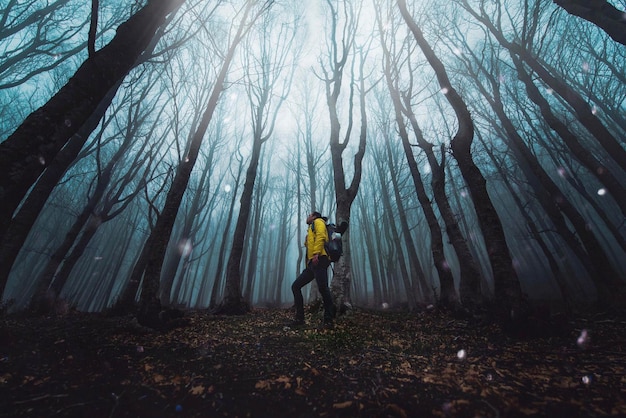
321 277
303 279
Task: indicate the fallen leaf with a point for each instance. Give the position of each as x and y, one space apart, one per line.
263 385
342 405
197 390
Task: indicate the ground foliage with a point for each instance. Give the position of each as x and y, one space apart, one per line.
372 364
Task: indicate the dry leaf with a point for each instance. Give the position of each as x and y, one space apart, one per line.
342 405
197 390
263 385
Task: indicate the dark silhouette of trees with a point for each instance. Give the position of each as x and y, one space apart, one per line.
169 161
36 142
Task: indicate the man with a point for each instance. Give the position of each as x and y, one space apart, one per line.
317 263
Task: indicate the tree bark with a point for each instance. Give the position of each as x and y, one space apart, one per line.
601 13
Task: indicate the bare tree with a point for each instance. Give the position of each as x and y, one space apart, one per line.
266 93
470 275
226 232
342 46
508 293
577 103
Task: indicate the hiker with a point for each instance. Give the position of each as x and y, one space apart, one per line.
317 263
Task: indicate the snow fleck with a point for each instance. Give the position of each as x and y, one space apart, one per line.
601 192
68 123
586 67
385 305
462 354
550 91
42 160
586 380
227 188
185 247
583 339
594 110
561 171
445 90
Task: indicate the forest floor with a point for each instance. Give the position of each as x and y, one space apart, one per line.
372 364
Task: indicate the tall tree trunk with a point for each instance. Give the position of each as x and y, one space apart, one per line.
448 294
469 281
508 293
233 302
180 249
87 214
35 143
372 252
422 290
342 277
394 235
20 226
150 304
533 230
601 13
217 281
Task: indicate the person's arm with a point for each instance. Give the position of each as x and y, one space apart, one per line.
319 239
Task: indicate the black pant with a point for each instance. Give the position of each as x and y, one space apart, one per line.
320 274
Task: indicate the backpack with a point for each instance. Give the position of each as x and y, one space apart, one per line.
334 246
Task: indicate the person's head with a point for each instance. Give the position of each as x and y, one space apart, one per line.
313 216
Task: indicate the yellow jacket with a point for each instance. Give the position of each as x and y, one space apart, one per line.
316 237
